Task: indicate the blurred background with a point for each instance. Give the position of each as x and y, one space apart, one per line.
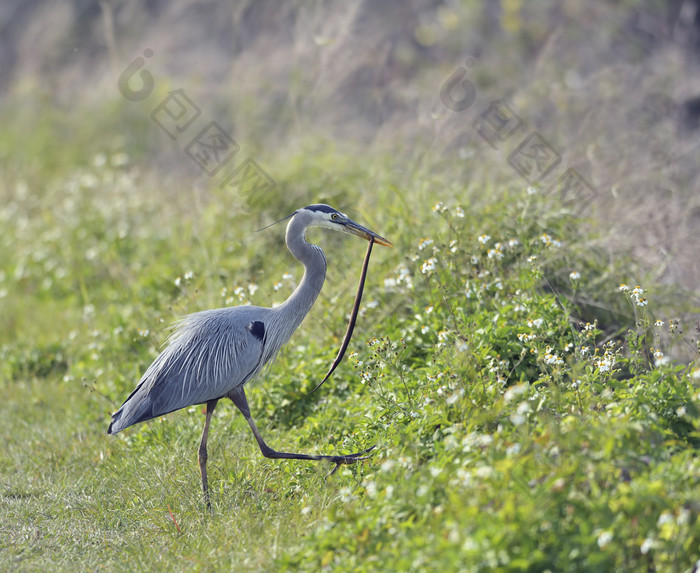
611 85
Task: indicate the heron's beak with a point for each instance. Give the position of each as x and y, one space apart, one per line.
360 231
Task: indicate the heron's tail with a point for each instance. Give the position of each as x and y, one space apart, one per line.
117 424
112 428
136 408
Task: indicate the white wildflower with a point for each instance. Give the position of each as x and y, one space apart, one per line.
683 516
346 495
371 488
515 391
424 243
605 363
387 465
429 266
647 545
551 358
452 398
605 538
637 294
405 276
513 450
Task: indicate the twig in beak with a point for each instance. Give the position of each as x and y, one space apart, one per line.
353 316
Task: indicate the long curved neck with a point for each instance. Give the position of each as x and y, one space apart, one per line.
297 306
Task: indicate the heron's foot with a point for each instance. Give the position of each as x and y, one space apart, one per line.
349 459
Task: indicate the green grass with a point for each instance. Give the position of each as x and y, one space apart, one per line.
510 435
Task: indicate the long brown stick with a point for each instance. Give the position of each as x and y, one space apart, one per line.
353 317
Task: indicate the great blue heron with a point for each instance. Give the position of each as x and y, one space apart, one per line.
213 353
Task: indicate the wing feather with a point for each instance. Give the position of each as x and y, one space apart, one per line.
208 354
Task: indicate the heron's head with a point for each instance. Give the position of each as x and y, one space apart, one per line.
325 216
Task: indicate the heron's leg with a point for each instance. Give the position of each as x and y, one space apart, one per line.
237 395
203 450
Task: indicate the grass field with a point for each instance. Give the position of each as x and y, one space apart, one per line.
518 426
532 396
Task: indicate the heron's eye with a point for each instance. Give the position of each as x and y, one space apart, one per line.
334 216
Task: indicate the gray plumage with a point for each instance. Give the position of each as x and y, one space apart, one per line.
213 353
